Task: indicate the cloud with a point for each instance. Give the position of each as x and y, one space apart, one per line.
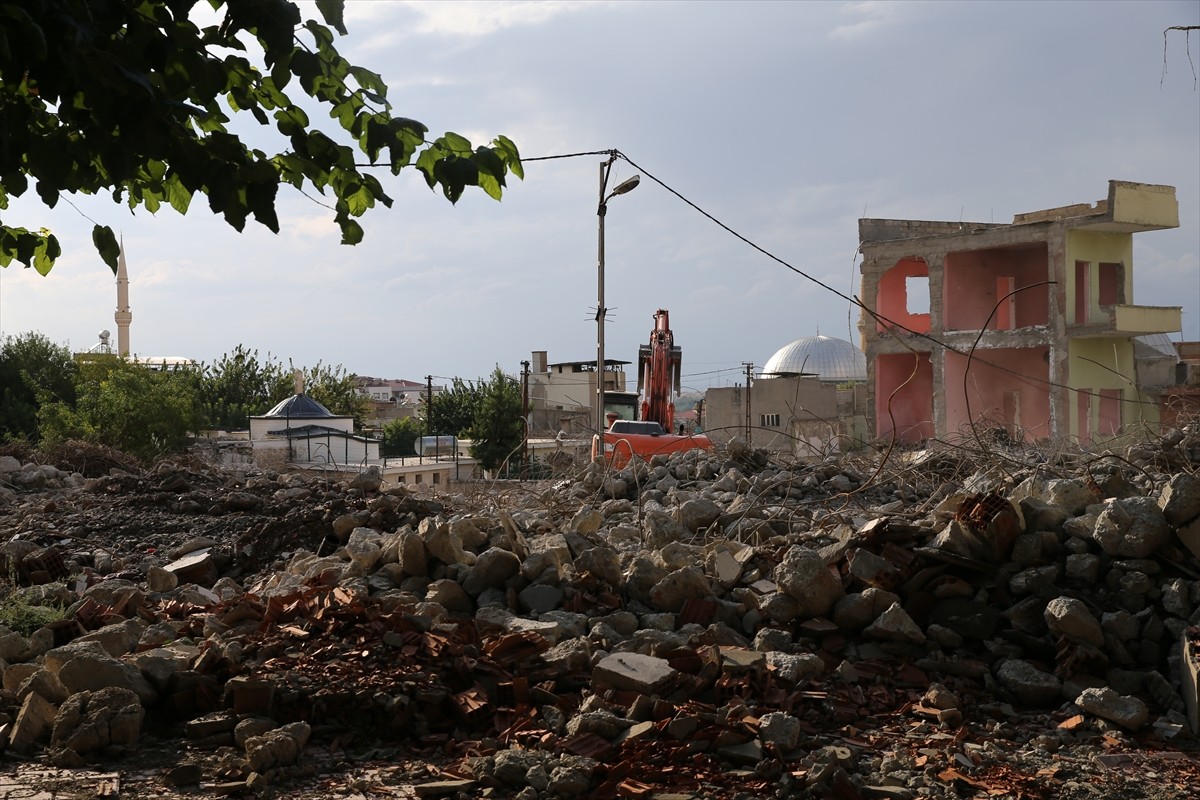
468 18
873 17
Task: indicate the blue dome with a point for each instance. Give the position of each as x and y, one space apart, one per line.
299 406
828 358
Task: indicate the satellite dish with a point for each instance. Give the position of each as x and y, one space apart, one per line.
104 336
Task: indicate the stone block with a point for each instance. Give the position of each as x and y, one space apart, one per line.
633 672
33 724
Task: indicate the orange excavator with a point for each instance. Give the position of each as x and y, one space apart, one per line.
659 365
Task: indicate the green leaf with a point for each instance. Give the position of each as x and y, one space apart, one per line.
490 185
45 254
177 194
455 144
360 201
135 101
149 199
352 232
508 151
331 10
427 163
106 245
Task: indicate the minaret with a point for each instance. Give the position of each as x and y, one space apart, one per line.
123 316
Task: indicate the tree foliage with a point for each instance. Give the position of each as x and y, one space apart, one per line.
399 436
115 401
241 385
122 404
33 370
333 387
497 430
453 409
133 98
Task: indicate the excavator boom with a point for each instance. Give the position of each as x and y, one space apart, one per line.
659 374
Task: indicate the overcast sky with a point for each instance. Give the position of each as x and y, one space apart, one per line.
786 121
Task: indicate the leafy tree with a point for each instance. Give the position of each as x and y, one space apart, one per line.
453 409
240 386
33 370
498 428
333 387
122 404
134 99
399 436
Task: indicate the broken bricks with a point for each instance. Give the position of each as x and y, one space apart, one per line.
787 620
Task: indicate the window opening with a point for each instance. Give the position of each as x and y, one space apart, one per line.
916 292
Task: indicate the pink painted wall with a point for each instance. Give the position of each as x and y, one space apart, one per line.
970 289
912 406
892 300
992 386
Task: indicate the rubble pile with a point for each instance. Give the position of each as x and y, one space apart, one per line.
722 624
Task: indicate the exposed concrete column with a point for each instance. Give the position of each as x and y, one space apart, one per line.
937 277
937 281
1059 352
868 335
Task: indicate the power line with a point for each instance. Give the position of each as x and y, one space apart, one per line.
852 300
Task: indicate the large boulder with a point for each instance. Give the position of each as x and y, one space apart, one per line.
697 513
1180 499
688 583
1133 527
1029 685
1069 617
804 576
492 569
87 667
443 543
99 720
660 529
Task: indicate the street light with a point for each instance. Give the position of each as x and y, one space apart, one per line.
627 185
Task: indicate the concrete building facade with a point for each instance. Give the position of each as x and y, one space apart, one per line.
797 415
1026 327
803 403
562 396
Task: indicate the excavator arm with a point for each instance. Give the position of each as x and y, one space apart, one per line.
659 372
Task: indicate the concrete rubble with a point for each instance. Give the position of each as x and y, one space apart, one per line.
713 625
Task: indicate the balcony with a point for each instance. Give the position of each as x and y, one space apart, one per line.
1128 320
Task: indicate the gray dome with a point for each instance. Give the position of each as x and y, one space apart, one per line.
301 406
828 358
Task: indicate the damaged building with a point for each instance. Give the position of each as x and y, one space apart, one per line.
1026 330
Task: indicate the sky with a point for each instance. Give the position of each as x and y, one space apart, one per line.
785 121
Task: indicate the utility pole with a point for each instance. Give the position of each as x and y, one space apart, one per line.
524 418
749 428
429 405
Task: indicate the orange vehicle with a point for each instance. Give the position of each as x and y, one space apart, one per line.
659 366
644 438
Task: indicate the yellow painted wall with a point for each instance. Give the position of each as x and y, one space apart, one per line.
1155 319
1108 365
1115 248
1145 204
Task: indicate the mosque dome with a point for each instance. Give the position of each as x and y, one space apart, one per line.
828 358
299 406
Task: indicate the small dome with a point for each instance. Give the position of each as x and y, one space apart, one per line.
828 358
299 406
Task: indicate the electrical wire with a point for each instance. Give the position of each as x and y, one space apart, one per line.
854 301
883 321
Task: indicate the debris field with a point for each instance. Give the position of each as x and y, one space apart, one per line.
942 622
